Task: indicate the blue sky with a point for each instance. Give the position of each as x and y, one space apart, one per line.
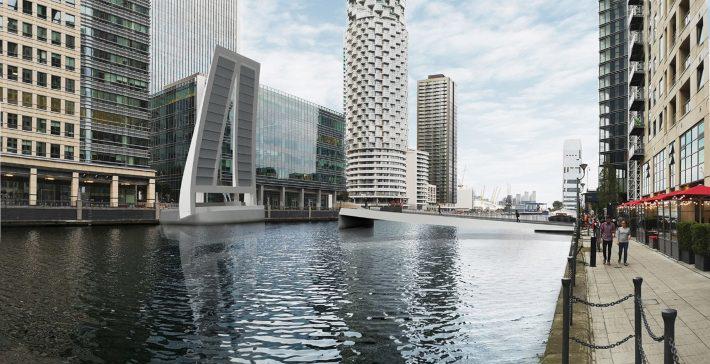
526 74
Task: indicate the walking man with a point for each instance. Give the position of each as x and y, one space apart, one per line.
517 216
623 233
607 232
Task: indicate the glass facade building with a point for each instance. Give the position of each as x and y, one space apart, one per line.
115 56
613 89
299 152
185 35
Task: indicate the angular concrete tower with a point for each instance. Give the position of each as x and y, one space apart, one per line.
375 82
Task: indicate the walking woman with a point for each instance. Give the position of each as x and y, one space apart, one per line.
606 230
622 233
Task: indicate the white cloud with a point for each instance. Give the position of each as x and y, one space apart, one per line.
526 74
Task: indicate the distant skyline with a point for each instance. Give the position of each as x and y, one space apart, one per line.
526 73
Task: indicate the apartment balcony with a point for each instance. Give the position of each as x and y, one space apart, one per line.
636 98
635 123
636 151
636 73
635 46
635 17
635 2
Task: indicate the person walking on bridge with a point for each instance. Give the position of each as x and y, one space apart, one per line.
517 216
607 230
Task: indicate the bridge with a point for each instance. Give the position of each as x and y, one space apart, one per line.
351 218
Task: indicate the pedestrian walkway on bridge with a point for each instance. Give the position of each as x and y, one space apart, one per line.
666 284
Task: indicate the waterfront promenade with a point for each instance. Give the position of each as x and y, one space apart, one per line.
666 284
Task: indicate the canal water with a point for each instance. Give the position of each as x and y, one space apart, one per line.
277 293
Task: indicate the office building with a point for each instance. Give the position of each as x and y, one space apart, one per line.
571 171
375 98
417 179
673 121
431 196
300 152
184 34
42 140
436 133
613 90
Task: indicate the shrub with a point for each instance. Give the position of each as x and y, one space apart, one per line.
685 236
701 239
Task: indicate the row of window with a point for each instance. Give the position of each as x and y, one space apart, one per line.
38 125
38 78
41 34
24 147
38 101
38 55
42 12
692 162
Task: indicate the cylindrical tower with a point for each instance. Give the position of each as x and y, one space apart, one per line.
375 102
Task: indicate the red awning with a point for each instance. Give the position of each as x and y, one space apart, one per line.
697 191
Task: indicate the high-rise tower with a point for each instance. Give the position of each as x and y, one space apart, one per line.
376 100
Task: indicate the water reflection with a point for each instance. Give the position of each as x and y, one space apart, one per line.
288 292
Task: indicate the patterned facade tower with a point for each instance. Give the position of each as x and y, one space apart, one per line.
376 100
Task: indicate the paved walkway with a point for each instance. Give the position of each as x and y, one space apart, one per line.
666 284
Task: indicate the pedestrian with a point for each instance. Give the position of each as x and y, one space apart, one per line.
517 216
439 209
623 233
607 232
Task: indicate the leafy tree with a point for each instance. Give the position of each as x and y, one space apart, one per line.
609 190
557 205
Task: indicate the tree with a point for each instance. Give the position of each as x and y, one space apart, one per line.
609 190
557 205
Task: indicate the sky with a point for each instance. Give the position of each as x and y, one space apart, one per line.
526 74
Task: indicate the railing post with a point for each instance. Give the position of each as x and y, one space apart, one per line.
566 318
570 260
571 263
669 316
637 318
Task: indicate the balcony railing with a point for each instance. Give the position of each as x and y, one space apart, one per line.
635 17
636 151
636 98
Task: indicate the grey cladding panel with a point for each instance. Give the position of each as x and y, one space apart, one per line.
245 126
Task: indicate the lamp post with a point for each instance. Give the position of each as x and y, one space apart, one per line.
583 166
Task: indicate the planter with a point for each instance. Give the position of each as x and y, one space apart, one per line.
661 245
702 262
653 241
687 256
675 249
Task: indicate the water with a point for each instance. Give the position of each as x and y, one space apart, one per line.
289 292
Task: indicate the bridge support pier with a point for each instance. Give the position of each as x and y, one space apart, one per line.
348 222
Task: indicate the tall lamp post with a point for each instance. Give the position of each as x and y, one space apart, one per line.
583 166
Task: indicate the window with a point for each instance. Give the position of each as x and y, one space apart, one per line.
56 60
42 34
42 56
11 145
12 25
42 102
27 123
56 16
69 85
12 73
68 130
69 41
12 97
27 29
26 75
700 32
54 151
69 20
55 128
69 107
692 154
12 49
56 38
41 125
69 63
27 53
56 105
12 4
56 82
27 7
659 172
41 11
26 99
12 121
41 149
68 152
27 147
41 79
700 75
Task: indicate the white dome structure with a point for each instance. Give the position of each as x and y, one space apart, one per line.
375 92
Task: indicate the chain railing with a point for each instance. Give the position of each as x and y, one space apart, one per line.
670 352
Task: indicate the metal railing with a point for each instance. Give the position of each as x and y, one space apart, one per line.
485 215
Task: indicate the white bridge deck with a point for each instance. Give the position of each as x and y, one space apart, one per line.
350 218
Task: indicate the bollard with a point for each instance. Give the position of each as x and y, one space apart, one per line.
669 316
593 252
566 319
570 260
637 318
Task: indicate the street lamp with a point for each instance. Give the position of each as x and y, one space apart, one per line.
582 166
